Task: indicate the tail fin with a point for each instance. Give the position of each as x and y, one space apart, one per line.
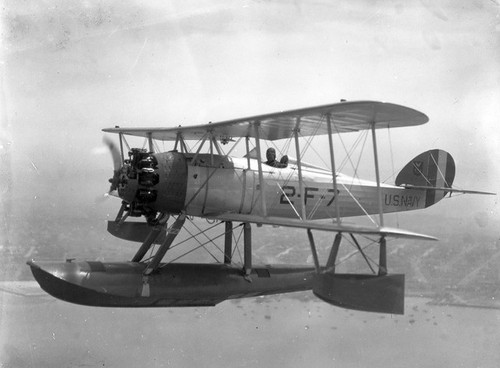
432 169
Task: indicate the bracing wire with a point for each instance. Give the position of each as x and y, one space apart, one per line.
202 245
193 236
390 150
208 241
349 152
236 244
359 159
356 251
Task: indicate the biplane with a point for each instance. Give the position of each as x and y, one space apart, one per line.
164 189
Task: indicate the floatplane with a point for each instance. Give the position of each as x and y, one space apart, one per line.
163 189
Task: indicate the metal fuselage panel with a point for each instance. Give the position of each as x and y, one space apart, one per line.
235 188
226 188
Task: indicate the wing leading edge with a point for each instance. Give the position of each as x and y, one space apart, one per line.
322 226
345 117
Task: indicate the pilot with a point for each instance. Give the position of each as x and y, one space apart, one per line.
271 159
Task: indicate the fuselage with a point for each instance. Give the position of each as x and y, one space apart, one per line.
206 185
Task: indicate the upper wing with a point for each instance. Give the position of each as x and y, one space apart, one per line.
345 117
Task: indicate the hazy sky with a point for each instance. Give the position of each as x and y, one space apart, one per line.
71 68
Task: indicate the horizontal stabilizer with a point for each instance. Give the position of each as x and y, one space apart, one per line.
450 190
315 225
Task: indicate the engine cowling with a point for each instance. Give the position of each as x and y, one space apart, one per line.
150 183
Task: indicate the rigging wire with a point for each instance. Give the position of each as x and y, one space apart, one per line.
359 159
236 244
310 138
185 240
193 236
392 154
209 240
440 172
359 204
357 251
350 151
155 146
314 150
201 245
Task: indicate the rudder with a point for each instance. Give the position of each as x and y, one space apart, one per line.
433 169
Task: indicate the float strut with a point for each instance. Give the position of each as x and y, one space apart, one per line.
332 258
313 250
165 245
152 236
382 268
228 242
247 245
120 219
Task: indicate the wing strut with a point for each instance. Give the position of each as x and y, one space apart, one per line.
299 166
334 170
382 270
179 141
150 142
195 157
377 174
261 177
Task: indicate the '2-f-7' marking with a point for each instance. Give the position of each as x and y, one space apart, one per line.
290 191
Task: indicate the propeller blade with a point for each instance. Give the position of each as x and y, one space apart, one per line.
115 153
117 161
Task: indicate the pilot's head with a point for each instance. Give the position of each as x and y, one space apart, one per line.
271 154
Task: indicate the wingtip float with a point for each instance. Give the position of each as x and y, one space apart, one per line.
239 191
